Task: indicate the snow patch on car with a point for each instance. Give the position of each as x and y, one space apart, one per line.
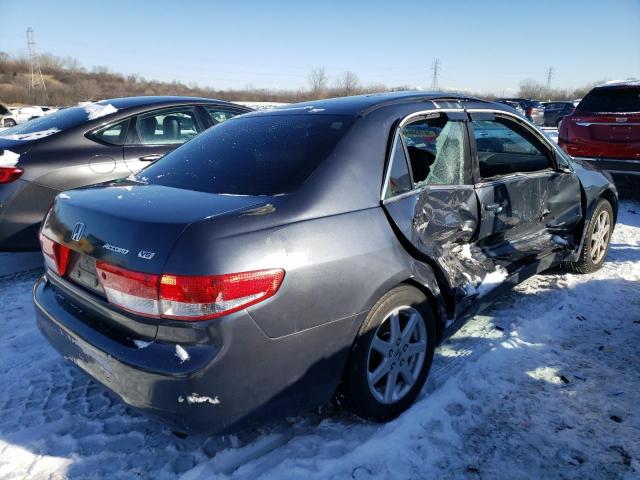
97 110
32 135
8 158
142 344
196 398
182 354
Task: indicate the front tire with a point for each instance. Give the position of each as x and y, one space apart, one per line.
596 244
391 356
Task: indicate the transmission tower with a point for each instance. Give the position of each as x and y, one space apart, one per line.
549 75
36 80
436 72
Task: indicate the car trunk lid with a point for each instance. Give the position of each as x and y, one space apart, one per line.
16 147
131 225
611 127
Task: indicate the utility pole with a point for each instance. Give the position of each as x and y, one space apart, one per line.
549 75
436 71
36 80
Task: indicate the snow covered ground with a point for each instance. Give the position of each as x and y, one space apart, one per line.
545 384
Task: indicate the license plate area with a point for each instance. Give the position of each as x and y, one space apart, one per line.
83 272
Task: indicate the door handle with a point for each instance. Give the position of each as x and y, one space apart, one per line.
151 158
495 207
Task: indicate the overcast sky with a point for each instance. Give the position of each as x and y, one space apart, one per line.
483 46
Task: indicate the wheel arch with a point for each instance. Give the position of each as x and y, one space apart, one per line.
612 198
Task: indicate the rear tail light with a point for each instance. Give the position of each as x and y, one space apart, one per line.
56 256
9 174
182 297
529 111
132 291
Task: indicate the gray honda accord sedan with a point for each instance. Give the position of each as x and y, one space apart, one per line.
320 250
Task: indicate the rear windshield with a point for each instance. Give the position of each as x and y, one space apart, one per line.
611 100
57 121
255 155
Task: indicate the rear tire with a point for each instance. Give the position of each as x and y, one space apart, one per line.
596 244
391 356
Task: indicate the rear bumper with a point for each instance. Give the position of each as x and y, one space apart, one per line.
234 375
625 173
537 119
615 165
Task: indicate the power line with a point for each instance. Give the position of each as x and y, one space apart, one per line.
435 68
36 80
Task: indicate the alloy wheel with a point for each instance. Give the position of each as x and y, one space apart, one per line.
396 354
600 236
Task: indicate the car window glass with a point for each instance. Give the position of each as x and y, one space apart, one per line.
399 178
502 150
251 155
436 151
219 115
167 127
114 134
611 100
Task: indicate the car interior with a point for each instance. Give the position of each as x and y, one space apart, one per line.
177 127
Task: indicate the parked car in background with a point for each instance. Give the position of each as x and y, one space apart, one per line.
7 119
604 130
322 247
554 112
532 108
24 114
517 106
88 144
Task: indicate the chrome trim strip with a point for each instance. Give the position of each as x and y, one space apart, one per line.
613 160
615 124
626 172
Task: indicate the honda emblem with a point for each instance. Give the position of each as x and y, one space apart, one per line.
78 230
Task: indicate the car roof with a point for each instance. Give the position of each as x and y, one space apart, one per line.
619 84
132 102
360 105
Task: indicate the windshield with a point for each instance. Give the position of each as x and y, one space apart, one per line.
611 100
255 155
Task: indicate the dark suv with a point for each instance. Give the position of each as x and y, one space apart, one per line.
554 112
532 108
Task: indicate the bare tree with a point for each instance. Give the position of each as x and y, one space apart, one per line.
88 90
318 80
347 84
530 88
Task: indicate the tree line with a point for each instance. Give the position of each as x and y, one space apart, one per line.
68 82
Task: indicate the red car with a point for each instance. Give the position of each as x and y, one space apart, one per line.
605 129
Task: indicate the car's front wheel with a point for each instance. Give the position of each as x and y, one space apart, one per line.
391 356
598 236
